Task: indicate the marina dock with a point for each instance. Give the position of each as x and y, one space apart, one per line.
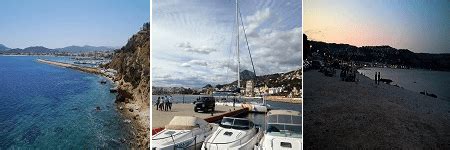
162 118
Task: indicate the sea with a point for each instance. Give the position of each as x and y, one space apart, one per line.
257 118
417 80
48 107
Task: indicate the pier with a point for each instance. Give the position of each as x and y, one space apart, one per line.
284 99
71 66
162 118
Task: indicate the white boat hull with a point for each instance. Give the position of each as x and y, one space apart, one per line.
269 142
246 142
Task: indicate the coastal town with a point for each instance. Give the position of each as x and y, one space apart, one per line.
284 87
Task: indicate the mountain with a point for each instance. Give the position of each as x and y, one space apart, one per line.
379 54
3 47
33 49
247 75
44 50
132 63
86 48
289 80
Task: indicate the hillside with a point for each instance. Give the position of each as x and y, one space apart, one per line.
45 50
33 49
132 63
86 48
3 47
288 80
380 54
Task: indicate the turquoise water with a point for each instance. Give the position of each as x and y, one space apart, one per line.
437 82
44 106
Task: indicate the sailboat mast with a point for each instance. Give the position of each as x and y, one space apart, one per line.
237 46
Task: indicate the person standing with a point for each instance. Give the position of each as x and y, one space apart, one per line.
157 102
161 104
379 77
376 81
170 103
166 104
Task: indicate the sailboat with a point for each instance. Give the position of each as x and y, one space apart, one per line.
251 106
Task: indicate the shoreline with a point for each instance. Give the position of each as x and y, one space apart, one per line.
365 115
138 126
281 99
71 66
398 81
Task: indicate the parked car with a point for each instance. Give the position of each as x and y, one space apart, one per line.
205 104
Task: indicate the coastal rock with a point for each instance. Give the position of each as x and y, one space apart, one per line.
132 63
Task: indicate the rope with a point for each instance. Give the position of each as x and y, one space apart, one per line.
248 47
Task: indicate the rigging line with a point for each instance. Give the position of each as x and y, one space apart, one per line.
230 52
248 47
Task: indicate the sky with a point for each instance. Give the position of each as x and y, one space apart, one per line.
60 23
194 42
422 26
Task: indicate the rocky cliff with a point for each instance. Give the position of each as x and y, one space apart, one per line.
132 63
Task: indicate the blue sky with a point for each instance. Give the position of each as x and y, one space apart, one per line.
420 26
193 42
60 23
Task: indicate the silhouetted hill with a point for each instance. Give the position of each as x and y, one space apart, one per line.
382 54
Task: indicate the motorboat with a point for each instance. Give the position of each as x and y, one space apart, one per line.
183 132
283 131
233 133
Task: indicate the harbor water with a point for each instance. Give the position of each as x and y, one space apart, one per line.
257 118
417 80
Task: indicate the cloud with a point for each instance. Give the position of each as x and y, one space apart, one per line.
255 21
277 51
194 62
194 44
201 50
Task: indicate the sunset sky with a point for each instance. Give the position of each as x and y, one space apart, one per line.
420 26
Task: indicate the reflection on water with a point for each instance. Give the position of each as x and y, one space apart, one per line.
416 80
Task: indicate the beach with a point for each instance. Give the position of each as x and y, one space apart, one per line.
362 114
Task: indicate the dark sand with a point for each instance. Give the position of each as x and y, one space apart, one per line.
349 115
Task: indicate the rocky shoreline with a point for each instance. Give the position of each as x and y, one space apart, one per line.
137 116
132 63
